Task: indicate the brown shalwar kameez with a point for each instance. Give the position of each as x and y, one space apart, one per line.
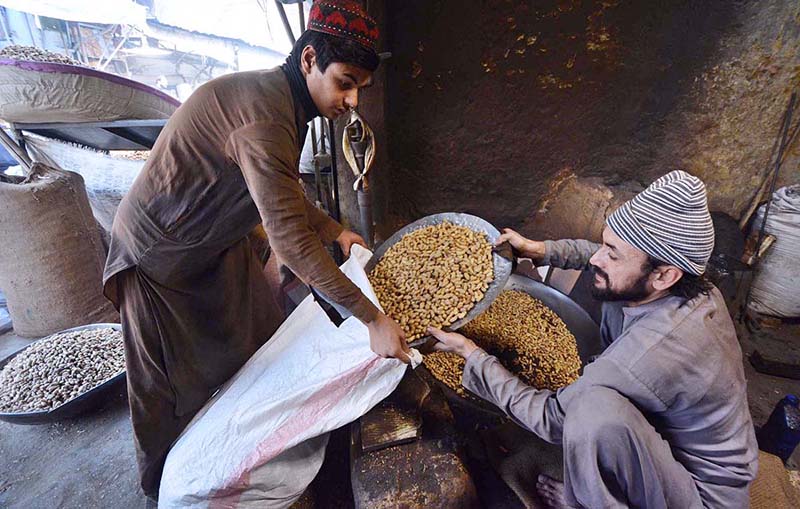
193 301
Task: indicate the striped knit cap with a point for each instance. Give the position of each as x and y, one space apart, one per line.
669 221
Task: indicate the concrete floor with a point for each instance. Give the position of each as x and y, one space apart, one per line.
89 462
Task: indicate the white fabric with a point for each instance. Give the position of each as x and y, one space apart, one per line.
776 286
307 153
108 12
308 379
416 358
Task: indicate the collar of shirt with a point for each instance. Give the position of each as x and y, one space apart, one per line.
633 313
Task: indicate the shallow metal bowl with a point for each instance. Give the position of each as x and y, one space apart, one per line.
577 320
88 400
502 266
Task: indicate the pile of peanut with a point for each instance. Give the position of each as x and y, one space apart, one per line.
34 54
132 155
59 368
528 338
447 368
433 276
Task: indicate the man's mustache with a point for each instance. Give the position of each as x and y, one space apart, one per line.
598 271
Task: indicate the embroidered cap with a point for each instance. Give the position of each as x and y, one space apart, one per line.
344 18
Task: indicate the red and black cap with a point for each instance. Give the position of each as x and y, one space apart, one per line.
344 18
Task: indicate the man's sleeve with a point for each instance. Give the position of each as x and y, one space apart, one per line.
542 411
568 253
263 152
326 227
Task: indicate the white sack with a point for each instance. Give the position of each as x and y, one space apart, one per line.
308 379
776 285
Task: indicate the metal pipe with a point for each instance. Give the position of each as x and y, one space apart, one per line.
16 151
787 121
302 14
102 66
337 253
365 215
334 173
355 133
285 21
778 161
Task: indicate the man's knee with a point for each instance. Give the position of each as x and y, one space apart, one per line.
599 415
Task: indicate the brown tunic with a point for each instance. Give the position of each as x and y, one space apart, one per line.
194 303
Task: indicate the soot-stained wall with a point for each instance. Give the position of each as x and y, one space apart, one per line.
491 105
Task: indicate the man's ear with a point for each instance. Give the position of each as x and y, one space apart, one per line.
308 59
666 276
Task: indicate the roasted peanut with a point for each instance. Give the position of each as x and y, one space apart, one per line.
528 338
34 54
433 276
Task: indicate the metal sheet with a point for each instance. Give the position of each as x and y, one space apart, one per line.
502 266
114 135
83 402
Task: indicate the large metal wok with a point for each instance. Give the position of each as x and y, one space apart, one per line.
577 320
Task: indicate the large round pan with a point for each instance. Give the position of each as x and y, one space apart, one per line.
502 266
89 400
577 320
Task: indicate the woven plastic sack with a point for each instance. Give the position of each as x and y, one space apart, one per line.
51 254
776 285
261 439
107 178
48 92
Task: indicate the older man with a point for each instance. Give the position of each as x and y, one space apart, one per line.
660 418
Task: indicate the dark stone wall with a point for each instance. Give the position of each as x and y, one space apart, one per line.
488 101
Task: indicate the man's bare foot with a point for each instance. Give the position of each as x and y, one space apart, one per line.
552 493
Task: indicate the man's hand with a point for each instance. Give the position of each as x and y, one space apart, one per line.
525 247
347 238
387 339
452 342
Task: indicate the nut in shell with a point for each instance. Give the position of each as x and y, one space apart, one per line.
525 335
59 368
433 276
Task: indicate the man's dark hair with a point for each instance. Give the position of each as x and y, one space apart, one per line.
332 49
688 286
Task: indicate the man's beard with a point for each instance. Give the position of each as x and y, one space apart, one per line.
636 292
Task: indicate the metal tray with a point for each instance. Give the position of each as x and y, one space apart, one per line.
89 400
502 266
577 320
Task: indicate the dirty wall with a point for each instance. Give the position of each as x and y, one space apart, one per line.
544 115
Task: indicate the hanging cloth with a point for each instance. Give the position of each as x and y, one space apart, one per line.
349 155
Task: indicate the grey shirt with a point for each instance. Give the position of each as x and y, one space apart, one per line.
678 361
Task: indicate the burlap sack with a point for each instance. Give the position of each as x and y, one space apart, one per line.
107 179
51 255
771 488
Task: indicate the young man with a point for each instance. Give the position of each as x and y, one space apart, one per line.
193 301
660 419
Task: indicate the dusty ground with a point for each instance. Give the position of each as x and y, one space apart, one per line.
89 462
